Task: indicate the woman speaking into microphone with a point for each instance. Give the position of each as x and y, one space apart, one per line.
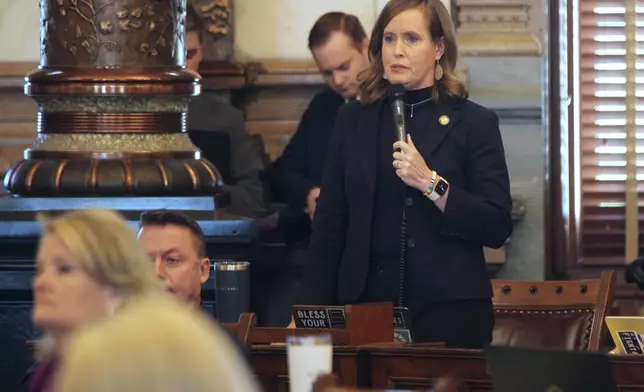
405 221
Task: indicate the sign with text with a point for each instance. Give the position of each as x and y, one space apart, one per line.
402 325
327 317
631 342
323 317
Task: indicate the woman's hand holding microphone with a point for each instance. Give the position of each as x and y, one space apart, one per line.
412 169
410 165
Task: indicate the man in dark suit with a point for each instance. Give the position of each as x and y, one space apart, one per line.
339 45
210 113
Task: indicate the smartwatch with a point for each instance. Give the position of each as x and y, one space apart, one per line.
440 188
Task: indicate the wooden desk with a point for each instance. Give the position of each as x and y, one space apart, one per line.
629 372
351 364
270 365
417 367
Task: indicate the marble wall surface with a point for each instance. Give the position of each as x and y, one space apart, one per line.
19 23
275 29
506 73
285 24
512 87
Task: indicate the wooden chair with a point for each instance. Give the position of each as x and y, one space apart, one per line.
553 314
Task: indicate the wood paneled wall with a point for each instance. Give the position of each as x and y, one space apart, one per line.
274 99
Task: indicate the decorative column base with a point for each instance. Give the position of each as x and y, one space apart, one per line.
112 94
46 176
124 142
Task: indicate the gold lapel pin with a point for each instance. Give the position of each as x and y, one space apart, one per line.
444 120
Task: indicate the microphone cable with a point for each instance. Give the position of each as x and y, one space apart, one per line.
402 263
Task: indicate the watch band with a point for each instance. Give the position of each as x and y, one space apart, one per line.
430 188
433 196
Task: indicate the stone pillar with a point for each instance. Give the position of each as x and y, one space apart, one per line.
495 27
112 95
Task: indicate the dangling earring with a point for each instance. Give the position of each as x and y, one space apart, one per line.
384 76
438 71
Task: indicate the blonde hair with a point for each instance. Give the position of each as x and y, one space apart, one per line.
372 84
106 249
154 344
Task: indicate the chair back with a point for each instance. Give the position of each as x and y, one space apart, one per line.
553 314
242 328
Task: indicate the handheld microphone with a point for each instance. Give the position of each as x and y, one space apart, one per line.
396 94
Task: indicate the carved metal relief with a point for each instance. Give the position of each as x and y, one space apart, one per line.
217 15
104 33
217 18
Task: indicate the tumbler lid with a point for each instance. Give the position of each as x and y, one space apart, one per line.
231 265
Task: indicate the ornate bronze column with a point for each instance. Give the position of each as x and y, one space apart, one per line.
112 95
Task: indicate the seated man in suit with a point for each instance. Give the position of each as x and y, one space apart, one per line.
210 113
177 248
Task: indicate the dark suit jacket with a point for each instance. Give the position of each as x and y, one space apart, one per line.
301 165
207 112
468 152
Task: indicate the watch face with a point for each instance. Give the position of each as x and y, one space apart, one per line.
441 187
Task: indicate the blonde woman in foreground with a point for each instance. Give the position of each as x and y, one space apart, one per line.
154 344
89 263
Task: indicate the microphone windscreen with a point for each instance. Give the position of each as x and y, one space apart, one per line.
396 90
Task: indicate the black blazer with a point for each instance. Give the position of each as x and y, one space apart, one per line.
299 169
468 152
